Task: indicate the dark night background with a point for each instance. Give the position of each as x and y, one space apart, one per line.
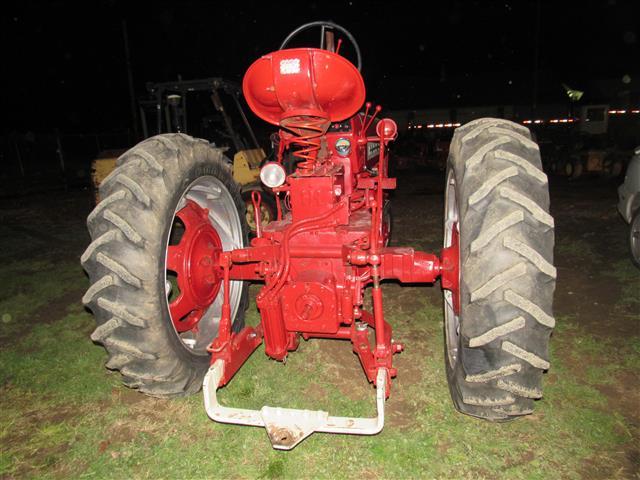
65 65
66 116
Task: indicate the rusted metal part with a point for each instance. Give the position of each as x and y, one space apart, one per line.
236 350
287 427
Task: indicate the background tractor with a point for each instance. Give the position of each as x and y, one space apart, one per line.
596 141
211 109
170 259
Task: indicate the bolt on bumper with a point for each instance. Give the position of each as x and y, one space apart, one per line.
287 427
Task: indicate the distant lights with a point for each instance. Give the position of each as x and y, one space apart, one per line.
622 112
563 120
553 120
538 121
436 125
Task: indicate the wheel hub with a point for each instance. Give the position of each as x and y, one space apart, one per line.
195 261
450 264
450 270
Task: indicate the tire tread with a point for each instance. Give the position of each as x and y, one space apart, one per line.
126 228
508 277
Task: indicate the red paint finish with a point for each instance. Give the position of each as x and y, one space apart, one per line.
328 250
256 200
236 352
308 139
408 266
194 259
451 268
303 82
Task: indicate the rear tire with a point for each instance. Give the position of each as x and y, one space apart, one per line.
125 261
496 347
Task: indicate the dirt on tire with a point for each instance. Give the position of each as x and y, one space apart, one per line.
126 262
506 271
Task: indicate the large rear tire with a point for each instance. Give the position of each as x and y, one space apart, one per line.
132 230
496 341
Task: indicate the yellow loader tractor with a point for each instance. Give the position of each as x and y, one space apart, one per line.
165 111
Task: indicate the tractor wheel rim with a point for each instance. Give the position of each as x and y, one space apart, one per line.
209 224
452 295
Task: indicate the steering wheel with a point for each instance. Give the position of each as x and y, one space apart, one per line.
324 25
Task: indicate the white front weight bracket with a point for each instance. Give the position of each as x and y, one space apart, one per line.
287 427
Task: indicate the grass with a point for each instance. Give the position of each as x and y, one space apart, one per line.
63 414
627 275
34 284
578 248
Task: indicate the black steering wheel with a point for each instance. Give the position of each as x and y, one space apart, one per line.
324 25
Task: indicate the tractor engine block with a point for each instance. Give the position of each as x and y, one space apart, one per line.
322 291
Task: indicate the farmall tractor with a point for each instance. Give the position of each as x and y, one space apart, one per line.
170 261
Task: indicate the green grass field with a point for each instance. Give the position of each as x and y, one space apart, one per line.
63 415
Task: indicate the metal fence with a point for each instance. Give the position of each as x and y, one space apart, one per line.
33 162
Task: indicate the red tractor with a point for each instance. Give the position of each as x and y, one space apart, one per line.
170 261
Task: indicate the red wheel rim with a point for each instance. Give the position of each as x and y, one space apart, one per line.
450 276
195 261
451 269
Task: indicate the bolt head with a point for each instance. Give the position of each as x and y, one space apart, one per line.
361 326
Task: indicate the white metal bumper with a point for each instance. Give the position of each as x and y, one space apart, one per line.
287 427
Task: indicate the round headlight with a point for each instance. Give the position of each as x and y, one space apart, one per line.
343 146
273 175
387 128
